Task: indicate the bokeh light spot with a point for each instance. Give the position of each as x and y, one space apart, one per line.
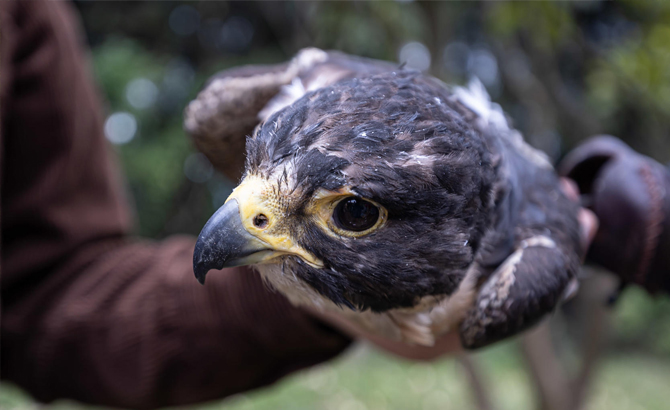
482 63
236 34
415 55
120 127
177 81
184 20
141 93
197 168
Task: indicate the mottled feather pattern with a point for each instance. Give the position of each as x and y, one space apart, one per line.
437 209
465 197
453 180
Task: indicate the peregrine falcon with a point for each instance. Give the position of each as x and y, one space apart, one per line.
409 206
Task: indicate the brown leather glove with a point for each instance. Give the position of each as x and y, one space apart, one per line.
628 192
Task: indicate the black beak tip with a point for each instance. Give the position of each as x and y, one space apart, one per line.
200 273
223 242
200 268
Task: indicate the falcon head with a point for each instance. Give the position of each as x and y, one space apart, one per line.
370 193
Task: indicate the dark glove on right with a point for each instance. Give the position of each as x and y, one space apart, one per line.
628 192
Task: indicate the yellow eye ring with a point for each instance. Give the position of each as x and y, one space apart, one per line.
354 217
324 203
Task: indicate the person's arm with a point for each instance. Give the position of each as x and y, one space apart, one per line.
87 312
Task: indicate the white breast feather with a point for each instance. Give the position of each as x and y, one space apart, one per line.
432 317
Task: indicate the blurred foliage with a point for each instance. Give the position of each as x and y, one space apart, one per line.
551 25
642 323
152 160
562 70
364 379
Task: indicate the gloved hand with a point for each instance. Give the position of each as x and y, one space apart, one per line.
628 192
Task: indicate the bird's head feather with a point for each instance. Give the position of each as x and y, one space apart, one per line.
394 150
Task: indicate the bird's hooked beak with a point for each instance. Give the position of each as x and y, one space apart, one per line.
246 230
224 243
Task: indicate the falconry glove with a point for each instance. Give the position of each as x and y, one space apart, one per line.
411 207
628 192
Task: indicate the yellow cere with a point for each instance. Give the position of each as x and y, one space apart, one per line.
255 196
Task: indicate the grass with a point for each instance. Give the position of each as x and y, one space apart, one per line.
364 379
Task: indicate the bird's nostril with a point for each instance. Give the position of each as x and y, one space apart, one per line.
261 221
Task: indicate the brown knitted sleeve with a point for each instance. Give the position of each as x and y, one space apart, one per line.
132 328
88 313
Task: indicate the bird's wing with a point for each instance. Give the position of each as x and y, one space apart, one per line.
541 270
530 257
529 284
234 101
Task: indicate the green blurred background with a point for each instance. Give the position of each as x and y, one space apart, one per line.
562 70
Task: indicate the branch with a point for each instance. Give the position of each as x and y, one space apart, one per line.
549 377
477 383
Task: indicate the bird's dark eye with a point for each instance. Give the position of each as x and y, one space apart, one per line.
355 214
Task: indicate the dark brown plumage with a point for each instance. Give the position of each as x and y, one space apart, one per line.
466 225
